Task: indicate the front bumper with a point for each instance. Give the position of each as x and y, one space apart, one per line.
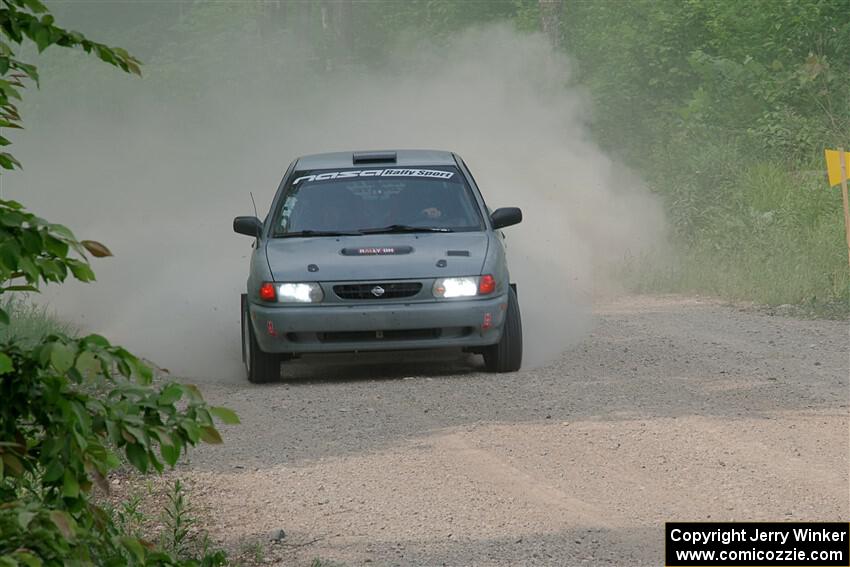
378 326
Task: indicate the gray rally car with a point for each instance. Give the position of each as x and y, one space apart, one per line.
369 251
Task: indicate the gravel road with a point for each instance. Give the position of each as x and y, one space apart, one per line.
673 408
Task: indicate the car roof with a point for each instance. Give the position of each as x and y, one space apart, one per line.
404 158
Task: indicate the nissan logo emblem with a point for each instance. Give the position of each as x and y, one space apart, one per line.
377 291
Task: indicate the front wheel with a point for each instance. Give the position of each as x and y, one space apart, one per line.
260 367
506 355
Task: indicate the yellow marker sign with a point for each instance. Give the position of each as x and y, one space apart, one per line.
833 166
837 164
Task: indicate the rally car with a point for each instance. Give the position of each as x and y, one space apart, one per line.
377 251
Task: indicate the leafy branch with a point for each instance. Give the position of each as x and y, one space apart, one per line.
71 406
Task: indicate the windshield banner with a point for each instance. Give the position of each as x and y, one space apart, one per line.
432 173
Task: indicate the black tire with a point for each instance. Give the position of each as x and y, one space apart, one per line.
260 367
506 355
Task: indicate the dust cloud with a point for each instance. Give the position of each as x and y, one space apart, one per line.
158 176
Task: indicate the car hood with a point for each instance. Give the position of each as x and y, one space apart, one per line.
377 257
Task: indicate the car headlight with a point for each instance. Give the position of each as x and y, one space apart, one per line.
469 286
303 292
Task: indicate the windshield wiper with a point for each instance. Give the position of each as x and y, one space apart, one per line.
315 233
403 228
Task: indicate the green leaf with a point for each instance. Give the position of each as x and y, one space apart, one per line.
70 486
4 319
35 6
54 471
144 372
10 254
193 431
25 516
61 357
7 161
81 270
12 219
30 70
226 415
28 559
9 89
56 246
133 545
114 431
210 434
6 365
170 394
62 230
193 392
87 363
138 456
137 434
162 435
29 268
41 35
169 453
96 340
13 464
64 523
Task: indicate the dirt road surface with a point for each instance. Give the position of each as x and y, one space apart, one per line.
672 409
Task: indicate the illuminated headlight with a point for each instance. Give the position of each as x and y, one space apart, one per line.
456 287
309 292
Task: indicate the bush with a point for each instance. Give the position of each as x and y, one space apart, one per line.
70 406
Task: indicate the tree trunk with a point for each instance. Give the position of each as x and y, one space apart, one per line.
343 28
550 20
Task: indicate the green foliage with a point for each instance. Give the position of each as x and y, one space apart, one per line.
59 440
770 73
773 235
22 20
71 406
726 109
35 251
178 522
129 518
319 562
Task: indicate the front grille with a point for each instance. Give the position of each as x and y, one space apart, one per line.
393 290
368 336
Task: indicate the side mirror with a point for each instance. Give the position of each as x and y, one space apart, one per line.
249 226
506 216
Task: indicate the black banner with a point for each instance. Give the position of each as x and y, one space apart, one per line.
377 250
757 544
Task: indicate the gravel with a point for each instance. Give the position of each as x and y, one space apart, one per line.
674 408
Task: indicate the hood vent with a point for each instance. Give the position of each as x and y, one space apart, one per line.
361 158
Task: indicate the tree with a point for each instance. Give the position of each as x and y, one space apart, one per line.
550 20
68 406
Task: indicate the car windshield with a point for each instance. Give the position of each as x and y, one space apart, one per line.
355 201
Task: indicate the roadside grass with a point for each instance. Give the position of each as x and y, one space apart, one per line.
30 322
253 552
157 509
179 530
754 230
319 562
